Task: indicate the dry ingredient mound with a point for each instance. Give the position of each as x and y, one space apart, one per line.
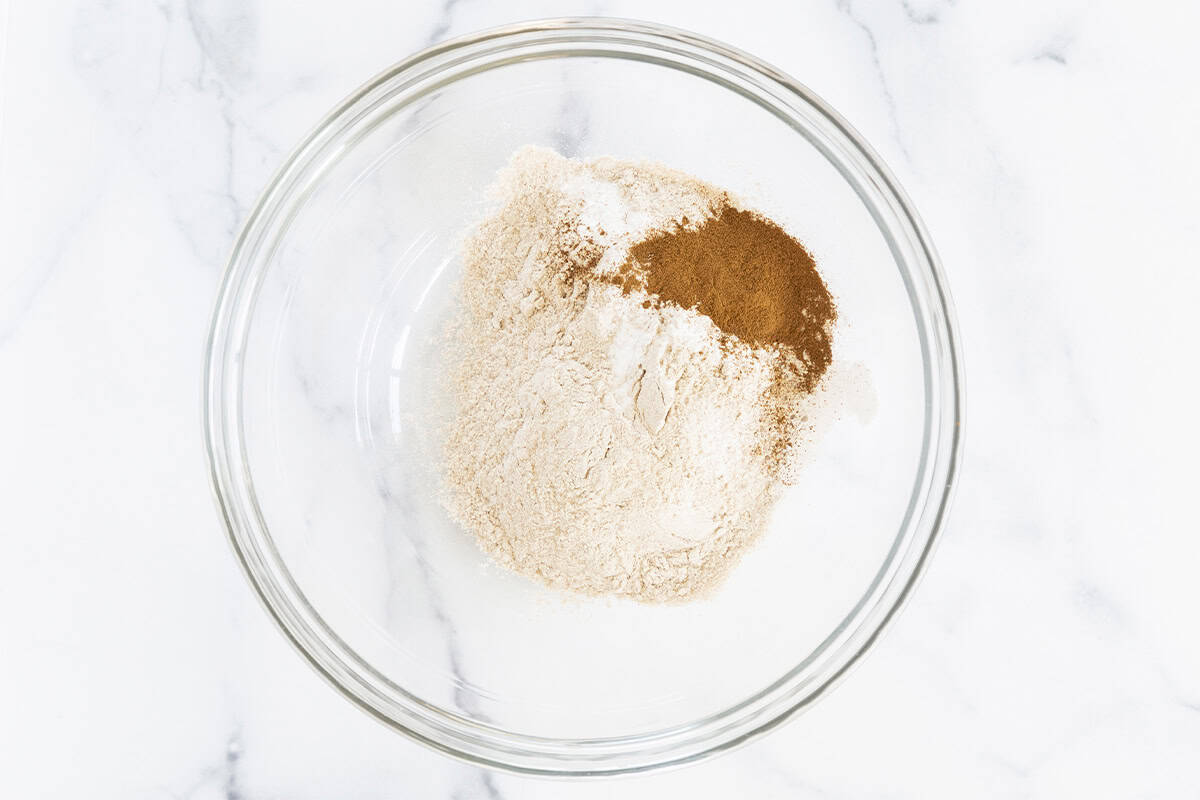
628 375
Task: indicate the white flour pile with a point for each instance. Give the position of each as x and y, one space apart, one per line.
600 443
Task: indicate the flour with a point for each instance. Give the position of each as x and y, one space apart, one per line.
600 444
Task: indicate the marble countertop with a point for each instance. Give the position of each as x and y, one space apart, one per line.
1052 650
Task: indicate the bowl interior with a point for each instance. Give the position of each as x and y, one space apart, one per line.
342 408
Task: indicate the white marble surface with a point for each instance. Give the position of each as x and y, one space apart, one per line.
1053 650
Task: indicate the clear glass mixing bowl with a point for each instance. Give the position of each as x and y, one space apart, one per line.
322 396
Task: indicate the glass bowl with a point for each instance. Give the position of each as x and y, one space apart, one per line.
322 399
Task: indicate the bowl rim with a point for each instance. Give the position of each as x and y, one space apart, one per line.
929 504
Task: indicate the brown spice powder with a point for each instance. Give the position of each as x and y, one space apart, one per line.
746 274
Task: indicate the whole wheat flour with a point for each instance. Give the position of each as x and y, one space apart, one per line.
603 442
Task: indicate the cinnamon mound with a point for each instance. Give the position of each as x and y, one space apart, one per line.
747 275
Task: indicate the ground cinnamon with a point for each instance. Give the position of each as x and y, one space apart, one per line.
746 274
